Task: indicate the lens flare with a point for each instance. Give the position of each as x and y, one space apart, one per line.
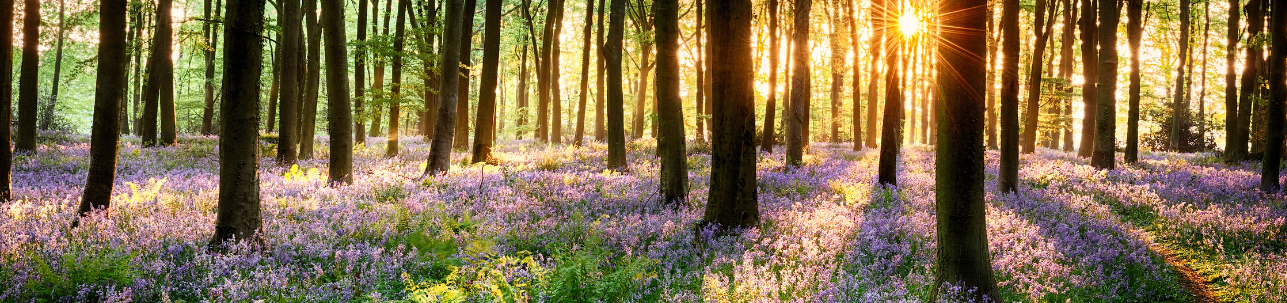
909 24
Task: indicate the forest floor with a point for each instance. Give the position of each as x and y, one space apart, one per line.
550 224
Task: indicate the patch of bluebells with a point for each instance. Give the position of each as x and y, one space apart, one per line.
826 233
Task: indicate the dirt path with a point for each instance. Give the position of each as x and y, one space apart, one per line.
1193 282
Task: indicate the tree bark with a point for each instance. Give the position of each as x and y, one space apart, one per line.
1134 31
484 132
891 134
585 74
1231 153
274 92
1271 168
994 38
1041 30
109 94
27 81
1090 75
641 93
770 107
1008 175
857 69
1202 96
158 97
1179 103
395 103
462 96
6 95
837 65
543 73
444 128
556 90
521 91
600 133
47 120
1250 81
339 113
801 84
670 107
700 66
308 116
287 126
876 44
732 202
615 110
1106 88
963 257
238 215
209 33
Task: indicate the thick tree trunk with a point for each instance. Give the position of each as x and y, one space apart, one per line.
1008 175
600 133
444 128
1134 31
1250 82
543 69
462 96
585 74
1231 153
1180 103
1090 75
165 39
1041 30
47 120
1106 88
963 257
339 113
108 97
395 103
670 107
238 215
289 103
484 132
801 84
615 104
770 106
732 202
1270 167
6 96
429 116
313 78
891 134
27 81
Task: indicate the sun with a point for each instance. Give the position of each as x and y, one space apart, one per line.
909 24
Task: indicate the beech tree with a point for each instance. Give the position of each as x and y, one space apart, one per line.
1106 89
238 216
484 133
30 76
209 31
616 99
1134 31
312 81
891 134
158 92
670 107
1179 102
340 122
395 90
6 97
801 84
1041 29
287 127
770 106
1270 166
585 74
444 128
1008 176
108 97
733 193
1090 75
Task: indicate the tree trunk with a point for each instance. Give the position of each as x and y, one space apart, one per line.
160 72
1179 103
444 128
238 215
274 93
1089 63
429 116
1277 97
138 74
27 81
857 69
1202 96
395 90
378 85
1231 153
616 99
875 45
521 91
641 93
1250 81
108 97
599 131
339 114
670 107
766 138
963 257
837 65
700 106
1008 175
1042 33
207 114
484 132
1106 88
891 134
585 74
359 76
732 202
543 69
994 37
1066 71
287 131
6 95
165 39
462 95
1134 31
47 120
555 66
801 84
132 38
308 117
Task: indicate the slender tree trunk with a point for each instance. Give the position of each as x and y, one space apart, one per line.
359 76
963 257
670 107
339 114
837 77
138 74
556 90
585 74
1232 154
641 93
1179 103
857 69
1250 81
994 38
876 45
129 121
47 120
1066 67
395 103
378 82
155 89
891 135
1090 75
615 103
287 126
27 81
801 84
766 138
1008 175
543 73
599 131
274 92
238 214
1134 29
732 202
308 116
1271 168
164 39
444 128
523 109
108 97
429 116
484 133
700 66
1202 96
6 95
462 99
1042 33
1106 114
207 114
